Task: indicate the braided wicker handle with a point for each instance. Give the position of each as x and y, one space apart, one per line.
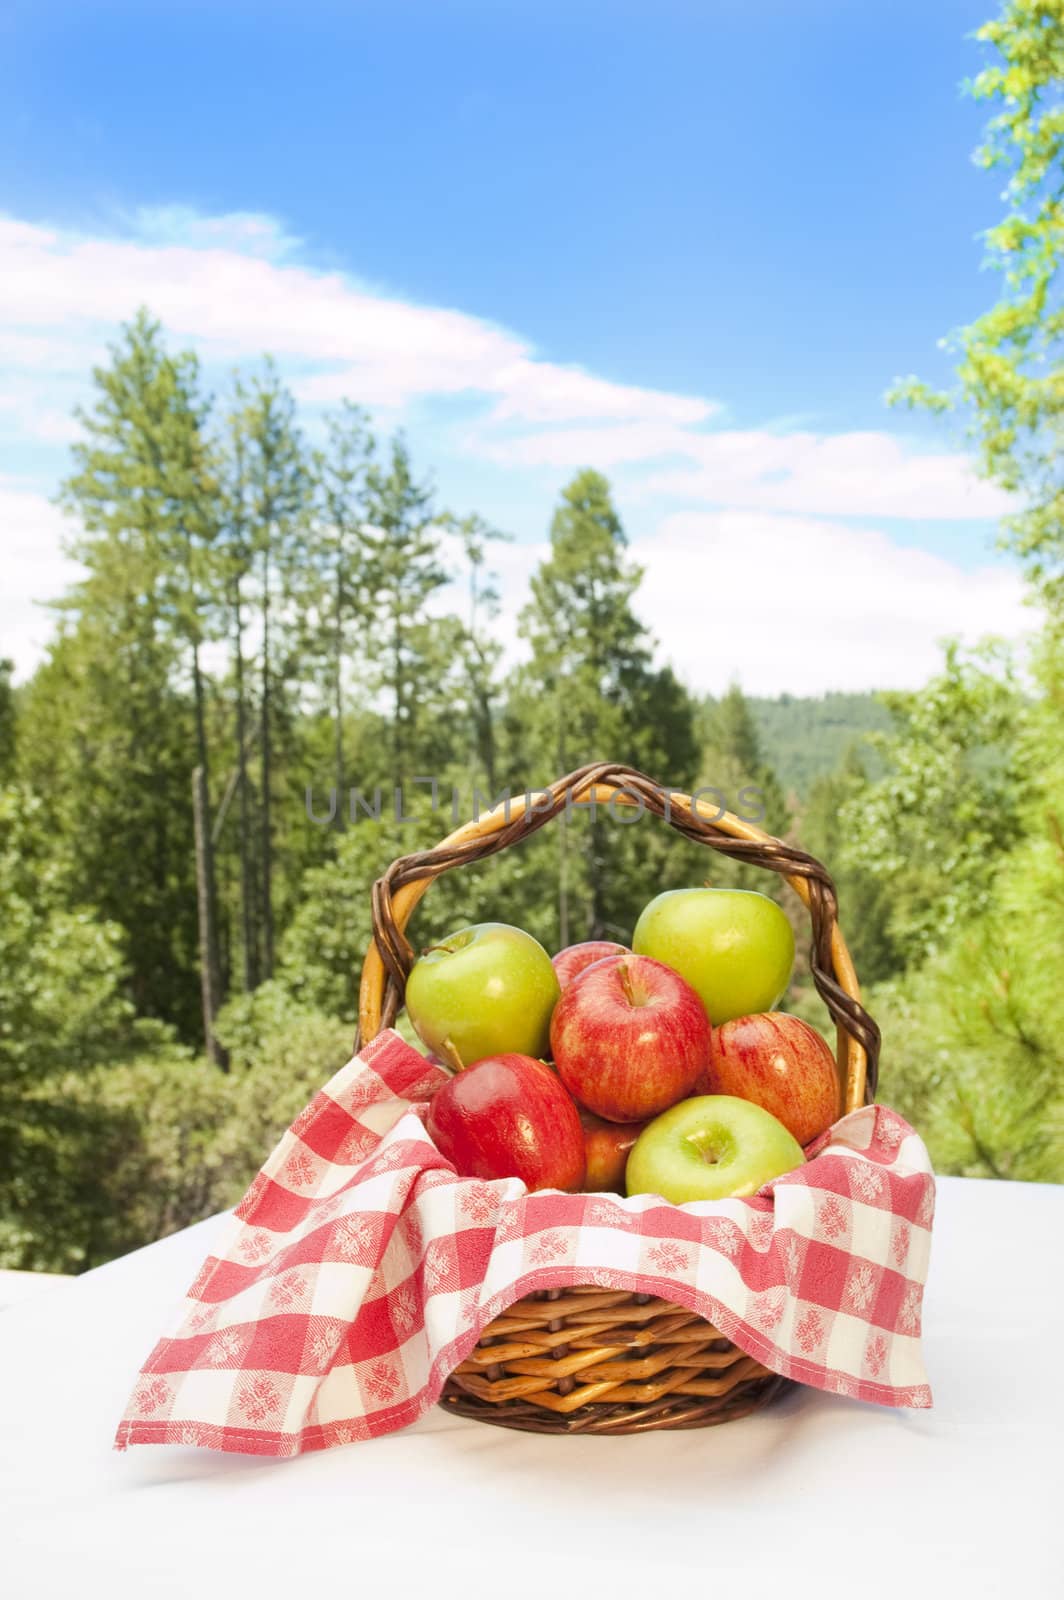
395 895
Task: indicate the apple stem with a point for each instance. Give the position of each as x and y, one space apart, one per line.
453 1058
626 983
429 948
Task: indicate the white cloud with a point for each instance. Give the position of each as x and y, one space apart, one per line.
250 232
847 474
35 570
834 605
231 285
607 448
537 391
786 603
791 604
236 285
781 603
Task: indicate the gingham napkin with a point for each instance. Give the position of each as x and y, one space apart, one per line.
359 1270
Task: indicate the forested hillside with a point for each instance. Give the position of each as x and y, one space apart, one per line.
804 738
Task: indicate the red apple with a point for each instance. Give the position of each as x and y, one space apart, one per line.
575 957
629 1038
606 1145
780 1063
508 1116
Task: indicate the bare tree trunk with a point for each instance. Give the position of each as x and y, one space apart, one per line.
483 713
267 840
487 740
563 883
338 692
397 676
563 855
596 856
210 979
251 965
596 853
210 949
225 927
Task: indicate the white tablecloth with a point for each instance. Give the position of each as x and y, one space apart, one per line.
16 1286
816 1496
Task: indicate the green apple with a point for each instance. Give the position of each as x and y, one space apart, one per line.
713 1147
483 991
734 947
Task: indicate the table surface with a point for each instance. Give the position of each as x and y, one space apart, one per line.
815 1496
16 1286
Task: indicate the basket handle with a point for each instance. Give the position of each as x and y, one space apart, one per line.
390 956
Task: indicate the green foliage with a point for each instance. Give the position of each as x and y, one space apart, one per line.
590 693
865 897
480 654
335 603
62 968
323 947
144 488
1010 378
64 1016
107 722
949 803
280 1044
104 744
113 1157
733 763
405 572
8 720
117 1155
804 738
975 1040
974 1037
276 489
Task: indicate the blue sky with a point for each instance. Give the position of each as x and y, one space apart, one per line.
690 243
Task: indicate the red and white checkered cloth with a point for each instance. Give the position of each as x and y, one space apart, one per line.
359 1270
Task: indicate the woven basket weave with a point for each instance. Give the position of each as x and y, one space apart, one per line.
592 1360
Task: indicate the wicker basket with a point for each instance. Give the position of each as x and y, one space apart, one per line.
594 1360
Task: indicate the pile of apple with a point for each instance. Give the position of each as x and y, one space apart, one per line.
663 1069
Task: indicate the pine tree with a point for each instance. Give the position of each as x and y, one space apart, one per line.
734 762
335 590
588 687
404 572
275 503
108 744
7 722
949 803
146 472
238 557
481 653
144 492
864 901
